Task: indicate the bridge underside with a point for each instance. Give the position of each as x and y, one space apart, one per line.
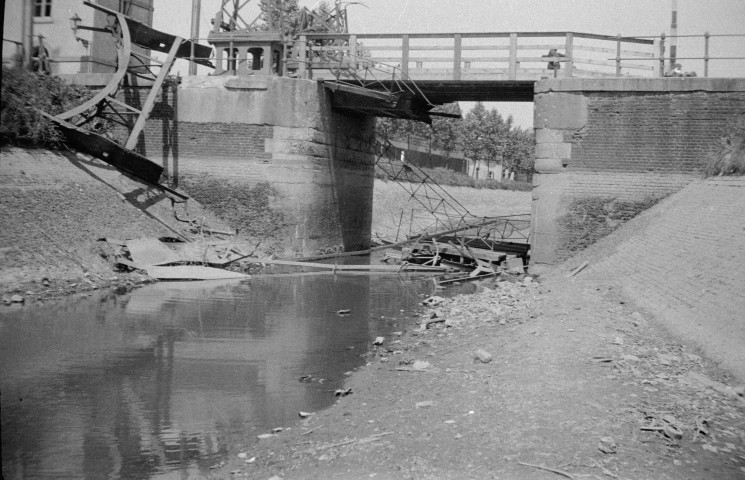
414 100
439 92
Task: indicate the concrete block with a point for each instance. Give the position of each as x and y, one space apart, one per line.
553 150
548 165
560 111
549 135
514 265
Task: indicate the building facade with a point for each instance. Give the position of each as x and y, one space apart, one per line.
55 25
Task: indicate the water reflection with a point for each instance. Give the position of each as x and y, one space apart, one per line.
165 380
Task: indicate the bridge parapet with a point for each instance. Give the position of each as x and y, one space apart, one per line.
517 56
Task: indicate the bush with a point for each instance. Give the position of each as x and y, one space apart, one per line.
589 219
22 93
730 159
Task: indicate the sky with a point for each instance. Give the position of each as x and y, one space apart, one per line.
606 17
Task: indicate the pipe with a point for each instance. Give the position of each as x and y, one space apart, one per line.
27 32
674 35
195 9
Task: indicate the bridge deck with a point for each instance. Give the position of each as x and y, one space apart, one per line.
439 92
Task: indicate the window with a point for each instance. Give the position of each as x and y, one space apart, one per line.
42 8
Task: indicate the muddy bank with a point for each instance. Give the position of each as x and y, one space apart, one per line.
580 381
58 206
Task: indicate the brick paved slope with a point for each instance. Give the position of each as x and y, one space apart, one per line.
684 262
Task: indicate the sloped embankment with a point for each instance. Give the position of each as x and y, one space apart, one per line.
684 261
56 205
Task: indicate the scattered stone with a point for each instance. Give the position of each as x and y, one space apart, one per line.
304 414
420 365
379 341
433 301
426 404
17 299
242 455
527 281
607 445
342 392
630 358
264 436
673 432
343 313
277 429
514 265
483 356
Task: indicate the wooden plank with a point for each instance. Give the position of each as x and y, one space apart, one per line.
192 272
150 251
352 268
513 56
405 54
152 95
456 56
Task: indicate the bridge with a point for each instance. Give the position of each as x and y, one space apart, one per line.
500 66
369 72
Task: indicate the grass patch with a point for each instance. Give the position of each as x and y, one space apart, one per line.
449 178
246 209
590 219
729 160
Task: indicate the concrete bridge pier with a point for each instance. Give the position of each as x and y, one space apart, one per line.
316 165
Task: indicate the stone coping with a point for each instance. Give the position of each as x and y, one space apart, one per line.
668 84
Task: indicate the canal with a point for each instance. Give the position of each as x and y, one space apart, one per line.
167 380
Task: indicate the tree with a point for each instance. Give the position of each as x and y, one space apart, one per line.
445 129
282 15
483 135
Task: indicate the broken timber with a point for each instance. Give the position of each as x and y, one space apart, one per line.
112 153
352 268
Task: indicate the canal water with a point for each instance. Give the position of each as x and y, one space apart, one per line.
167 380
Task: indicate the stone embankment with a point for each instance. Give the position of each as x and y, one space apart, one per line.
684 262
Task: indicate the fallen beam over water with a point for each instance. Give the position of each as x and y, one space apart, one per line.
352 268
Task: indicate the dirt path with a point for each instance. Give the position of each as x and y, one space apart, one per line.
577 370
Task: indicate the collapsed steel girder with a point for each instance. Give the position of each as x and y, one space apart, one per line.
105 105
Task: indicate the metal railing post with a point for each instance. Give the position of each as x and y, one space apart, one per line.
706 54
662 54
456 56
618 55
569 52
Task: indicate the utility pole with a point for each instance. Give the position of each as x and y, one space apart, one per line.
674 36
27 33
195 8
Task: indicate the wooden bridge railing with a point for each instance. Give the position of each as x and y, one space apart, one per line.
481 56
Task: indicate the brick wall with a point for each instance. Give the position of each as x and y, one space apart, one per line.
606 148
652 132
167 140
